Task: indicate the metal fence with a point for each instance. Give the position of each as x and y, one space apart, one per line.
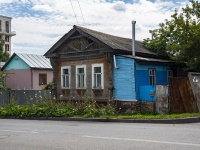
23 96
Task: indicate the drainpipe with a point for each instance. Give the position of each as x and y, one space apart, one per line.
133 37
115 63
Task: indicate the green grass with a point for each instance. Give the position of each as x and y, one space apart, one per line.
157 116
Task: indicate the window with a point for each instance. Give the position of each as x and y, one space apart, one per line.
65 76
7 38
42 79
6 47
7 26
97 76
152 76
81 76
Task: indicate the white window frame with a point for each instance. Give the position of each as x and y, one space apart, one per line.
69 71
84 67
102 76
152 76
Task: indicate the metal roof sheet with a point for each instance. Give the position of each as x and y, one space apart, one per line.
35 61
149 59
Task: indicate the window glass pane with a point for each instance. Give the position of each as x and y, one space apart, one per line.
67 81
42 79
63 79
98 80
65 71
81 81
97 69
80 70
95 80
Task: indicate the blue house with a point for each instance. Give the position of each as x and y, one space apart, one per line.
105 67
135 77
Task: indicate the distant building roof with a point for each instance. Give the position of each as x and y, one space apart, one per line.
1 16
32 60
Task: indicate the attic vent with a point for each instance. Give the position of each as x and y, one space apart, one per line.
89 40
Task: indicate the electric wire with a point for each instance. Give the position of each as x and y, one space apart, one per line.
74 12
81 11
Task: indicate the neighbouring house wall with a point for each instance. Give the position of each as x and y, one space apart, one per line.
78 94
19 79
143 83
36 72
124 79
16 63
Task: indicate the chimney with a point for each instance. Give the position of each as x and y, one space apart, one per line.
133 37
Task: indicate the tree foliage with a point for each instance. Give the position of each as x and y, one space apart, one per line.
179 37
4 56
3 75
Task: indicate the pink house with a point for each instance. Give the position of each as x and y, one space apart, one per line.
28 71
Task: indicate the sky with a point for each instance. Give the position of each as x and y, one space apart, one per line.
41 23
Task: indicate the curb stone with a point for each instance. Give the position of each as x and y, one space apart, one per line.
153 121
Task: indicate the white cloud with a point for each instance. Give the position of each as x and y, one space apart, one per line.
39 27
119 6
46 8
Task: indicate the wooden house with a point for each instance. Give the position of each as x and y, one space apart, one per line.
105 67
28 71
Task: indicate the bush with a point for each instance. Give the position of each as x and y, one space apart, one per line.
48 108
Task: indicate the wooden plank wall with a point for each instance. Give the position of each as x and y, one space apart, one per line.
79 94
181 97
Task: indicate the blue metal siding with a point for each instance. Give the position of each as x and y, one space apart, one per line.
161 77
147 93
16 63
124 79
142 78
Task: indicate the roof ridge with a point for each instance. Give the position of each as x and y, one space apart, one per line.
80 27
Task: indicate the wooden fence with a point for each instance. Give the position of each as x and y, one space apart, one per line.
181 97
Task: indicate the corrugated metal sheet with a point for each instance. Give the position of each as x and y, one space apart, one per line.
149 59
35 61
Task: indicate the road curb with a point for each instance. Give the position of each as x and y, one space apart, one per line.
158 121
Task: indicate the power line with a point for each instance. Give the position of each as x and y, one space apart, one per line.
81 11
74 12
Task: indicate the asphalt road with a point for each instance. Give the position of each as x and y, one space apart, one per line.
71 135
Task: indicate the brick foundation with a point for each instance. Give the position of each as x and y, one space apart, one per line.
138 106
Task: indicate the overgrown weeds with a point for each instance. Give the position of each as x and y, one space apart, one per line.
44 107
48 108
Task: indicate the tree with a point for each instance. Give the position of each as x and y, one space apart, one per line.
179 37
3 75
4 56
